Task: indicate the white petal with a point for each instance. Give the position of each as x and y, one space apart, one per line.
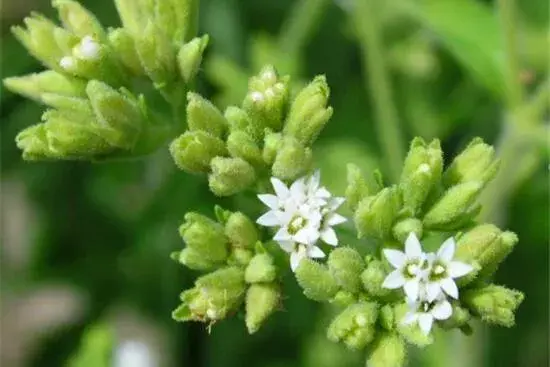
413 249
335 203
307 236
329 236
315 252
411 289
280 188
442 310
271 201
410 318
297 189
447 250
425 321
287 246
458 269
269 219
335 219
325 194
433 290
315 179
295 258
449 286
395 257
282 235
394 280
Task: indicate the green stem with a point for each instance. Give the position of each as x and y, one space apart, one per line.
507 12
300 25
378 82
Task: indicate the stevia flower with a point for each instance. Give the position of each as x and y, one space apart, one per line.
442 271
425 312
304 213
408 266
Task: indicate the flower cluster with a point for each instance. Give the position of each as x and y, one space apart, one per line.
427 280
304 213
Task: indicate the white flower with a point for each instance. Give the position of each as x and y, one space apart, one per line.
87 49
300 251
304 213
408 266
132 353
442 271
425 312
67 63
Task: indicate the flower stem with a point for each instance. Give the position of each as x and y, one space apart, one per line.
377 80
300 25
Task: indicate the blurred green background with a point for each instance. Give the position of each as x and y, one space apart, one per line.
85 247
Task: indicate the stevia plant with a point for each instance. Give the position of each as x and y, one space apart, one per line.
427 261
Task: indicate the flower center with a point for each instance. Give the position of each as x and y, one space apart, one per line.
438 272
296 224
412 268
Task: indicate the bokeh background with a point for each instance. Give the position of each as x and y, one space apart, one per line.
85 247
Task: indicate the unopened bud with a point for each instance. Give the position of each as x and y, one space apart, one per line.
78 19
316 280
355 326
241 145
203 115
403 228
230 176
204 236
292 160
388 350
194 150
272 144
309 112
241 231
157 55
190 58
125 47
373 277
261 269
262 300
375 214
494 304
35 85
346 265
358 187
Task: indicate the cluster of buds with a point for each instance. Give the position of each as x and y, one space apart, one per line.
91 71
241 270
238 147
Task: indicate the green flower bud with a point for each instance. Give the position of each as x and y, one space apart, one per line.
117 111
190 58
39 39
403 228
373 277
203 115
272 144
230 176
343 299
309 112
77 105
33 142
205 237
71 140
412 332
195 260
241 231
78 19
494 304
241 145
355 326
124 46
346 266
388 350
261 301
453 207
134 14
487 245
261 269
194 150
421 172
214 296
358 187
292 160
458 319
476 163
387 317
316 280
157 55
375 214
266 99
240 257
35 85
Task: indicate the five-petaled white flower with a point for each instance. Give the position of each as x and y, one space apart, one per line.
409 267
442 271
304 213
424 313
